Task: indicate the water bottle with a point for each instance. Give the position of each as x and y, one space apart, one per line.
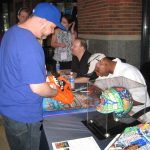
57 66
71 80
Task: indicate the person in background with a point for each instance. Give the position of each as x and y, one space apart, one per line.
62 42
23 14
80 57
23 77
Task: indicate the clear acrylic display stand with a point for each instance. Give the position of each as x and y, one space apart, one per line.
107 125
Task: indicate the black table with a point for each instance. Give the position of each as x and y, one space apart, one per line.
67 127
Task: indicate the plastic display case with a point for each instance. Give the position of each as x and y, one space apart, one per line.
104 124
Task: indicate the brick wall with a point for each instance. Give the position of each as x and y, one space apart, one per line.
109 17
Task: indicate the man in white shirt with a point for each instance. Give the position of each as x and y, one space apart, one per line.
107 68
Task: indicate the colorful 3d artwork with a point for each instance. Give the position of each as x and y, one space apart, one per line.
133 138
115 100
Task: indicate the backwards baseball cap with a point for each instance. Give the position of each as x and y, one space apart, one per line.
49 12
92 61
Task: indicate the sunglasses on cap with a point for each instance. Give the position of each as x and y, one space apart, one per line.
95 58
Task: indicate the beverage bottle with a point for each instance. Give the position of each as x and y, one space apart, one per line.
57 66
71 80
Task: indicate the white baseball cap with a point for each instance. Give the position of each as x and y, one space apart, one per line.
92 61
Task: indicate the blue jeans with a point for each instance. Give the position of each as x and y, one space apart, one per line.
22 136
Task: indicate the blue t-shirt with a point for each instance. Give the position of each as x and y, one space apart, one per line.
22 63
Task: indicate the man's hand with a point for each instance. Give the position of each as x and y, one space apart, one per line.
53 86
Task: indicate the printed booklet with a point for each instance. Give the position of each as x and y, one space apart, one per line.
87 143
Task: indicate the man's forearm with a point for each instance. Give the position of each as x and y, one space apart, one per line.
81 80
43 89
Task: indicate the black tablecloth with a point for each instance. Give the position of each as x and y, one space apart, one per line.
67 127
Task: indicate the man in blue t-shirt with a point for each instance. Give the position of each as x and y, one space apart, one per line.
23 77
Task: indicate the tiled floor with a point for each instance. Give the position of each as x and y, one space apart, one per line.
3 140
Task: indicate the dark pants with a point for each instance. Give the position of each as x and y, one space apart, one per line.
63 65
22 136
